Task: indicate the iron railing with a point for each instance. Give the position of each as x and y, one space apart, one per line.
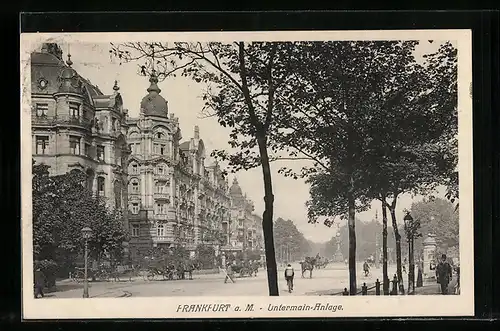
61 119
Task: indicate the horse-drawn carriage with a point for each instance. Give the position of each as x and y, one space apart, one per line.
170 269
245 268
310 263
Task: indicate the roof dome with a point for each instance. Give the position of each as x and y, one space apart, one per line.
68 73
235 189
154 104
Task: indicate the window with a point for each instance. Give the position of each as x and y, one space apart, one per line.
161 188
159 135
74 110
163 149
135 168
156 149
135 230
42 109
100 153
113 123
74 145
100 186
87 149
160 230
161 170
135 208
161 208
42 144
138 148
135 187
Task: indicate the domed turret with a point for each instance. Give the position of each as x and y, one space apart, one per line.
235 189
154 104
70 81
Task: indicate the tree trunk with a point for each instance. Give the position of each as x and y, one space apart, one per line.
352 245
397 236
384 248
267 219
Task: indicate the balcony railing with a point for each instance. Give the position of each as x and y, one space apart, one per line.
161 196
61 119
162 176
162 239
161 216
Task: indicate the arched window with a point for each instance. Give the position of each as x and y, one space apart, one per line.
160 230
101 186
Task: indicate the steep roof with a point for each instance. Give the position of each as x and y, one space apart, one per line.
48 66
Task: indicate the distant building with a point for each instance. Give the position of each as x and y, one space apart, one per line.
75 126
243 231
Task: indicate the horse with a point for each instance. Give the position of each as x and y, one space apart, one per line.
308 264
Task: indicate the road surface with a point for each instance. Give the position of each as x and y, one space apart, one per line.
333 277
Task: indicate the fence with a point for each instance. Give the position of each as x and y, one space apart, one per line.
376 288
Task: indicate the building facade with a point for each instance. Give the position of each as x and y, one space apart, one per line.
174 198
142 166
243 232
77 127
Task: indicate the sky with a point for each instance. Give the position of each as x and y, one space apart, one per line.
93 62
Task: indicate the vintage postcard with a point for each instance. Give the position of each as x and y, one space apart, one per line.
247 174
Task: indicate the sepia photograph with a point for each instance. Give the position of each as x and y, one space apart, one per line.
278 174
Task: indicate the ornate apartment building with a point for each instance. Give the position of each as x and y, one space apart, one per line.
140 164
244 230
174 198
76 126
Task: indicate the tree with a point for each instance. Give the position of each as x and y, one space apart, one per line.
62 206
375 122
335 96
288 237
242 80
437 216
416 149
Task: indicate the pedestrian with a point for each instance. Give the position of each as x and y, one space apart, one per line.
444 274
289 274
366 268
39 283
229 273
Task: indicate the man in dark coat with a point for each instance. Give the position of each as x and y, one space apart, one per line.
39 283
444 274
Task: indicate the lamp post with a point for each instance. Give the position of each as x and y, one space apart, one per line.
86 233
411 228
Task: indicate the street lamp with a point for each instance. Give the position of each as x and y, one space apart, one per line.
86 233
411 228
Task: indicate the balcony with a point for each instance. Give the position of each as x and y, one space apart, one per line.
161 196
163 177
163 239
61 120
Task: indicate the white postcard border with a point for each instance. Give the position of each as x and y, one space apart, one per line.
350 306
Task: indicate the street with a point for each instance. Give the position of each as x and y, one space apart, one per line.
333 277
